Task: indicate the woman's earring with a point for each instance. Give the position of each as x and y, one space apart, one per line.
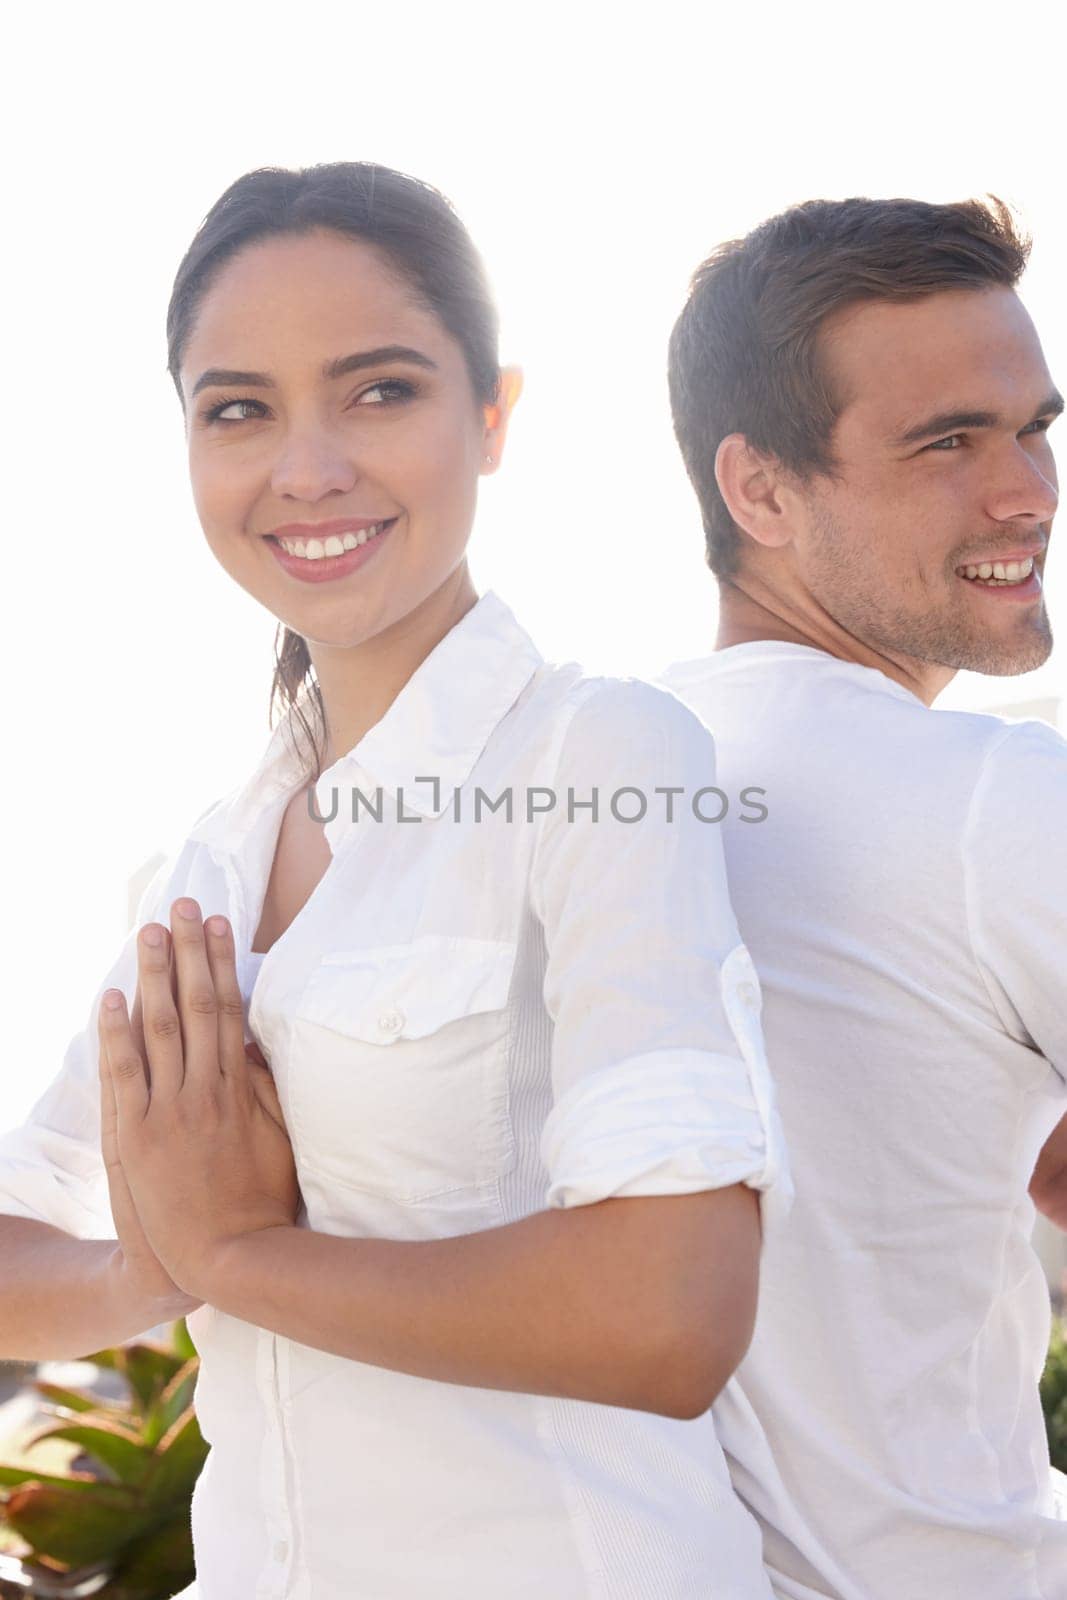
489 460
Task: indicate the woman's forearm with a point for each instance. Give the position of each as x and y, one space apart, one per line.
646 1303
62 1297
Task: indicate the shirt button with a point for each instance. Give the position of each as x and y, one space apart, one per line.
749 995
391 1022
281 1549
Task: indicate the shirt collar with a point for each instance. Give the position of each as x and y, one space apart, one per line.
681 675
435 729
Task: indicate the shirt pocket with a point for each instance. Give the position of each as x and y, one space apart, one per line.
399 1085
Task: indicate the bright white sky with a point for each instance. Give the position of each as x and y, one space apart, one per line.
595 162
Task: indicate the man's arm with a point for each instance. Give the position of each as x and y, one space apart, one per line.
1048 1186
1015 853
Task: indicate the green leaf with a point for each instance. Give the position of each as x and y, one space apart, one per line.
1054 1396
124 1456
14 1476
183 1341
157 1566
177 1397
76 1526
110 1360
67 1399
179 1459
148 1369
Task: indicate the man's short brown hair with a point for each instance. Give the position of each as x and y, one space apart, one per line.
744 353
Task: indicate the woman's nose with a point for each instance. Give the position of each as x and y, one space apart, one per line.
310 466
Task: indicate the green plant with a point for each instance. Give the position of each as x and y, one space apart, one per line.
1054 1395
125 1518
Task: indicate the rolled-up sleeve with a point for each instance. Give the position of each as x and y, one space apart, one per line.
660 1081
51 1168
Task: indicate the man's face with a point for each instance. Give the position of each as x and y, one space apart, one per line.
945 472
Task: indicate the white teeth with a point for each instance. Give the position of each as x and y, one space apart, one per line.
1000 571
335 545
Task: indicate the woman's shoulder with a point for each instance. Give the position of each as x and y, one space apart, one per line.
610 725
614 707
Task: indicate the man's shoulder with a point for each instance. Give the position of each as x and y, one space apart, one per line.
783 699
844 721
1023 773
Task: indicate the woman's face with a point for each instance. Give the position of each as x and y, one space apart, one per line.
324 402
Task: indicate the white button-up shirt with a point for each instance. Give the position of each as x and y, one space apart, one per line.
905 899
473 1017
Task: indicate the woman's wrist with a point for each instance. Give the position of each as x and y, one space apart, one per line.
138 1304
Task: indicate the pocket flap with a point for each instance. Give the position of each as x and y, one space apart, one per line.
388 992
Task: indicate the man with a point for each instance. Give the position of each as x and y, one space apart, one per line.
863 404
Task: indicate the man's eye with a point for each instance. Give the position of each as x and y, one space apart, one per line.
948 444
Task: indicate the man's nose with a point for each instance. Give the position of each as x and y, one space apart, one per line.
1024 488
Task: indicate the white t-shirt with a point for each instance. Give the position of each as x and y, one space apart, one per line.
905 903
478 1013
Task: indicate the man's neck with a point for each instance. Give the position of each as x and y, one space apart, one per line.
752 614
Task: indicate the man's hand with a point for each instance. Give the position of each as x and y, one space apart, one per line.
199 1132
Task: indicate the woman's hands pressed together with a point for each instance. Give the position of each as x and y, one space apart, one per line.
193 1134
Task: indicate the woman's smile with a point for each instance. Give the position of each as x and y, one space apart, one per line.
332 555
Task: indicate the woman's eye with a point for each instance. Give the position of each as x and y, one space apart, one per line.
216 412
386 392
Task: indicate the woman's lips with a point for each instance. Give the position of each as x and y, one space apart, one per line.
327 568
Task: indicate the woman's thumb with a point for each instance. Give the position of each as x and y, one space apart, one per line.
263 1085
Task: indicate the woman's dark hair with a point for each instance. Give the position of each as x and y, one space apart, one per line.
745 355
415 229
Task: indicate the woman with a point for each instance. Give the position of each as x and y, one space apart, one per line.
468 1264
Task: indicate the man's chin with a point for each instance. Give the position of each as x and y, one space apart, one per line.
1001 658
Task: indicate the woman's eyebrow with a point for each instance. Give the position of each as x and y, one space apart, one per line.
226 377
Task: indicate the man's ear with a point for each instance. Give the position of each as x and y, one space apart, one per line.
756 491
498 415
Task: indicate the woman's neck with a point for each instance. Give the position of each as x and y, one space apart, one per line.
359 684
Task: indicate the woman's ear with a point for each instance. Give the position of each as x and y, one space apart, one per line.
497 416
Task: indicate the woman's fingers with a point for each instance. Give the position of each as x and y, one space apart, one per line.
198 1007
266 1091
262 1080
158 1022
137 1014
121 1062
109 1143
222 962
